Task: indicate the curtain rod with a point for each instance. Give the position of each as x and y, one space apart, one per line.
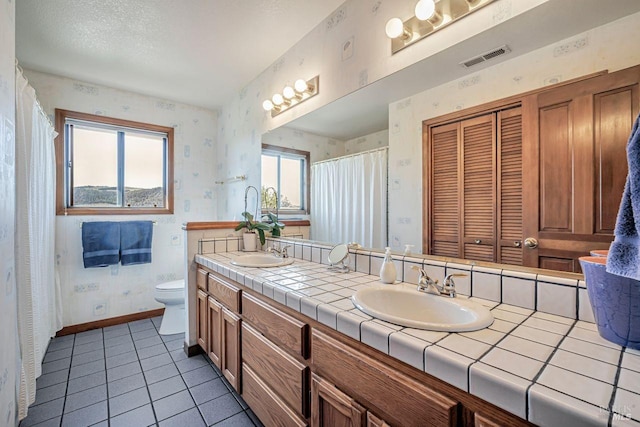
21 71
350 155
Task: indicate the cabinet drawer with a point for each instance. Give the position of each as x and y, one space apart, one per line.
398 398
225 292
201 279
269 408
279 327
284 375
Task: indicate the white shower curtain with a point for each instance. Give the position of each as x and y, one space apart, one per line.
39 301
349 199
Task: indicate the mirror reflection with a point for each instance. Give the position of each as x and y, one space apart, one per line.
517 161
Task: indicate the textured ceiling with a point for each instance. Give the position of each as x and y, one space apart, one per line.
201 52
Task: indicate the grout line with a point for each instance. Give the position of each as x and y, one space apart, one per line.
491 348
544 366
153 409
615 387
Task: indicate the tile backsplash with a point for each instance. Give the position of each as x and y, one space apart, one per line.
544 293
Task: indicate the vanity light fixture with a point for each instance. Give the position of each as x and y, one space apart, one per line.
291 96
429 16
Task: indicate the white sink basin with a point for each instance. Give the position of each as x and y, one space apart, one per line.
260 260
407 307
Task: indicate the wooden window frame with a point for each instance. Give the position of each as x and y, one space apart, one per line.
61 185
306 184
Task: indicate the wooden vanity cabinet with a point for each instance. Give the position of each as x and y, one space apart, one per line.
293 371
274 346
201 279
400 399
332 408
230 361
214 310
202 325
218 324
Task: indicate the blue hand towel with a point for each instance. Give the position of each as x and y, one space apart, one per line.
624 254
100 243
135 242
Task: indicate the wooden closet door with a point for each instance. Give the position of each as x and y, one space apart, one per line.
509 191
478 188
581 131
444 204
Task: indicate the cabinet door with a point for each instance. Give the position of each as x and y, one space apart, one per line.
478 188
284 375
214 309
579 161
509 191
230 363
332 408
201 324
201 279
266 404
443 203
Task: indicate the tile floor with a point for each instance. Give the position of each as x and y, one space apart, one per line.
128 375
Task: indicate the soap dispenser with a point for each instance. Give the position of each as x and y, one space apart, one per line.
388 269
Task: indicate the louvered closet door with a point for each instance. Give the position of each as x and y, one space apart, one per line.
445 212
479 188
509 125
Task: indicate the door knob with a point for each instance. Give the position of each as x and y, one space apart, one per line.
531 242
517 243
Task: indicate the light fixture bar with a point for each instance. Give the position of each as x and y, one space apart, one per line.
292 96
445 13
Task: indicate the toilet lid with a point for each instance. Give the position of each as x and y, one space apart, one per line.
167 286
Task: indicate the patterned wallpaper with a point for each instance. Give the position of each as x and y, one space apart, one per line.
348 50
92 294
9 355
612 46
367 142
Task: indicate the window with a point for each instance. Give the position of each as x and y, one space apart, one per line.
286 171
112 166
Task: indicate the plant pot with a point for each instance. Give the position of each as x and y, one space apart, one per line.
615 301
250 242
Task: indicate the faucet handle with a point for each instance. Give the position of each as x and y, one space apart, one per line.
448 281
283 251
424 277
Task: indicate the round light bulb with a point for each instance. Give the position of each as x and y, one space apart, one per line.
277 99
425 9
394 28
300 85
267 105
288 92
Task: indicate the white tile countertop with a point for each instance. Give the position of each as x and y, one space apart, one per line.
547 369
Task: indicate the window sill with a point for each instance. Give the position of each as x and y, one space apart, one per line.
115 211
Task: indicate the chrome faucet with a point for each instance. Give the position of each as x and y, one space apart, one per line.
282 253
428 285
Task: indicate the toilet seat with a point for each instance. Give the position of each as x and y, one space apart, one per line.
168 286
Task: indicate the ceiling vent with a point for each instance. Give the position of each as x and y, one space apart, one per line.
486 56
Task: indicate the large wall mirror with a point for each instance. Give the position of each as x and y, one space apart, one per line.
548 225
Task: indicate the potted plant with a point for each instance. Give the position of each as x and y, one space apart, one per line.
249 237
276 226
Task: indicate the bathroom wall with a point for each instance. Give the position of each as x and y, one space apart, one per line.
348 50
9 353
612 46
367 142
98 293
319 147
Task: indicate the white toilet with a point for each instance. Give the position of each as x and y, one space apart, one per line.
171 294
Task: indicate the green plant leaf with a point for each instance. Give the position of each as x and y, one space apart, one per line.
262 237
